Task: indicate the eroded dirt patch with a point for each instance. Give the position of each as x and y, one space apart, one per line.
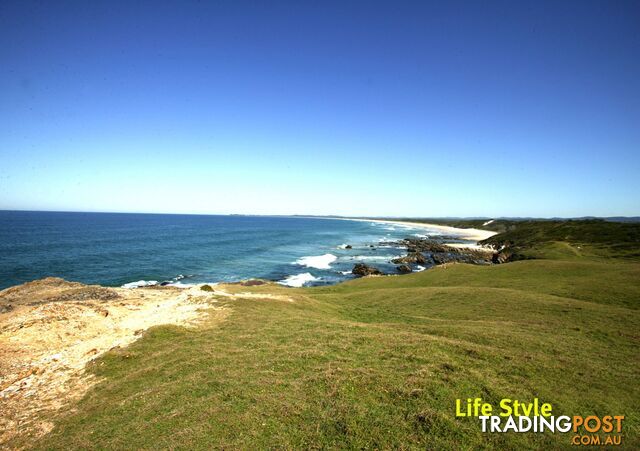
50 329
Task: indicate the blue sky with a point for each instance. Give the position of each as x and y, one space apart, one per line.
353 108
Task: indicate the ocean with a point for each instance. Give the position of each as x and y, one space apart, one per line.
115 249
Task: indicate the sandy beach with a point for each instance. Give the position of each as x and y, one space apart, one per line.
465 234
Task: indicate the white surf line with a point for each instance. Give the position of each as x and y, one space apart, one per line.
317 261
471 246
466 234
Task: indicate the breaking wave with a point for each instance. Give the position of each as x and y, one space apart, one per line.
318 261
298 280
140 283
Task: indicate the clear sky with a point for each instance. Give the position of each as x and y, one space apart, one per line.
354 108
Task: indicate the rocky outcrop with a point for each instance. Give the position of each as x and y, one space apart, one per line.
404 269
401 260
412 257
53 289
360 269
509 254
348 246
442 258
424 245
503 256
439 253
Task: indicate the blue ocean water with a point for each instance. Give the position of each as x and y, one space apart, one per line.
116 248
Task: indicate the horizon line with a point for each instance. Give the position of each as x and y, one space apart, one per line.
297 215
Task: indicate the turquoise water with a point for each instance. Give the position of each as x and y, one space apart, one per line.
115 249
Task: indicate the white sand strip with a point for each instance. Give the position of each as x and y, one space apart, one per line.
475 247
465 234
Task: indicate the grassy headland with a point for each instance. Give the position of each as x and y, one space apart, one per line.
594 237
558 238
379 362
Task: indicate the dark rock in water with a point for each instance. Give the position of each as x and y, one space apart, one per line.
441 253
165 283
371 245
404 268
348 246
360 269
414 257
441 258
416 245
432 246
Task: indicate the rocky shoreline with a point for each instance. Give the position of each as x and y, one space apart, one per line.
428 252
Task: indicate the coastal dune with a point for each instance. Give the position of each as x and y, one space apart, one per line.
50 329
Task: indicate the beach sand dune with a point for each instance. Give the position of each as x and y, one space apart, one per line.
50 329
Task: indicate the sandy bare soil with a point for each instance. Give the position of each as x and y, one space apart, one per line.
50 329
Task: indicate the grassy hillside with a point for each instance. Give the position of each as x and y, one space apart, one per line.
379 362
595 236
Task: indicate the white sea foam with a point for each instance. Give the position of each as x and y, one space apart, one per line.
181 285
298 280
344 273
374 257
140 283
317 261
419 268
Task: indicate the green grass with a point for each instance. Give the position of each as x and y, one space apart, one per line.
598 237
379 362
531 238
